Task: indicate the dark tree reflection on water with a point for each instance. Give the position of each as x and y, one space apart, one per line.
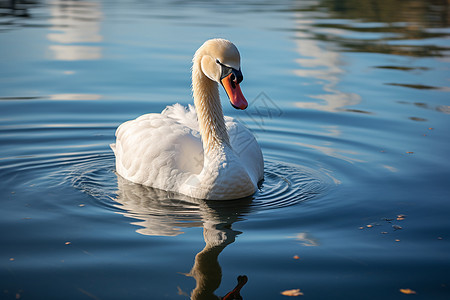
392 23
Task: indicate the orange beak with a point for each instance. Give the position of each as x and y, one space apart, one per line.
234 92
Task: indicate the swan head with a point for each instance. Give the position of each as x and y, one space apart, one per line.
221 62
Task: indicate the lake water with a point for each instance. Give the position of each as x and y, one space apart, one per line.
349 101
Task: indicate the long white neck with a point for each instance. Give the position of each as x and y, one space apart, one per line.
209 109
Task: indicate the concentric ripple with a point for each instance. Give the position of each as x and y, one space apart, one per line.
284 185
162 213
96 178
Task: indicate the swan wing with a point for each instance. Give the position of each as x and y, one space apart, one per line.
247 149
160 150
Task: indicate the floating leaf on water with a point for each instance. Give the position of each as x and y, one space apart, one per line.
401 217
407 291
292 293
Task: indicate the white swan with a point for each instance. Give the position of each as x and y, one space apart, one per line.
196 152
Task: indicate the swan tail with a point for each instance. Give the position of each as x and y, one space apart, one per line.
113 147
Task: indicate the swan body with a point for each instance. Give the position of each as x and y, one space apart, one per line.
195 151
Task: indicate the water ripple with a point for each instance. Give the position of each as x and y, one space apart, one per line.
284 185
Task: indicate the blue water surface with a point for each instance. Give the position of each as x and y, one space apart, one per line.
349 101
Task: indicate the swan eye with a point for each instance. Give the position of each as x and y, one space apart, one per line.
236 75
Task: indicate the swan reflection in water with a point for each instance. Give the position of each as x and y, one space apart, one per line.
163 213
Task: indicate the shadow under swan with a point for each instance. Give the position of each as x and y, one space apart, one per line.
162 213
